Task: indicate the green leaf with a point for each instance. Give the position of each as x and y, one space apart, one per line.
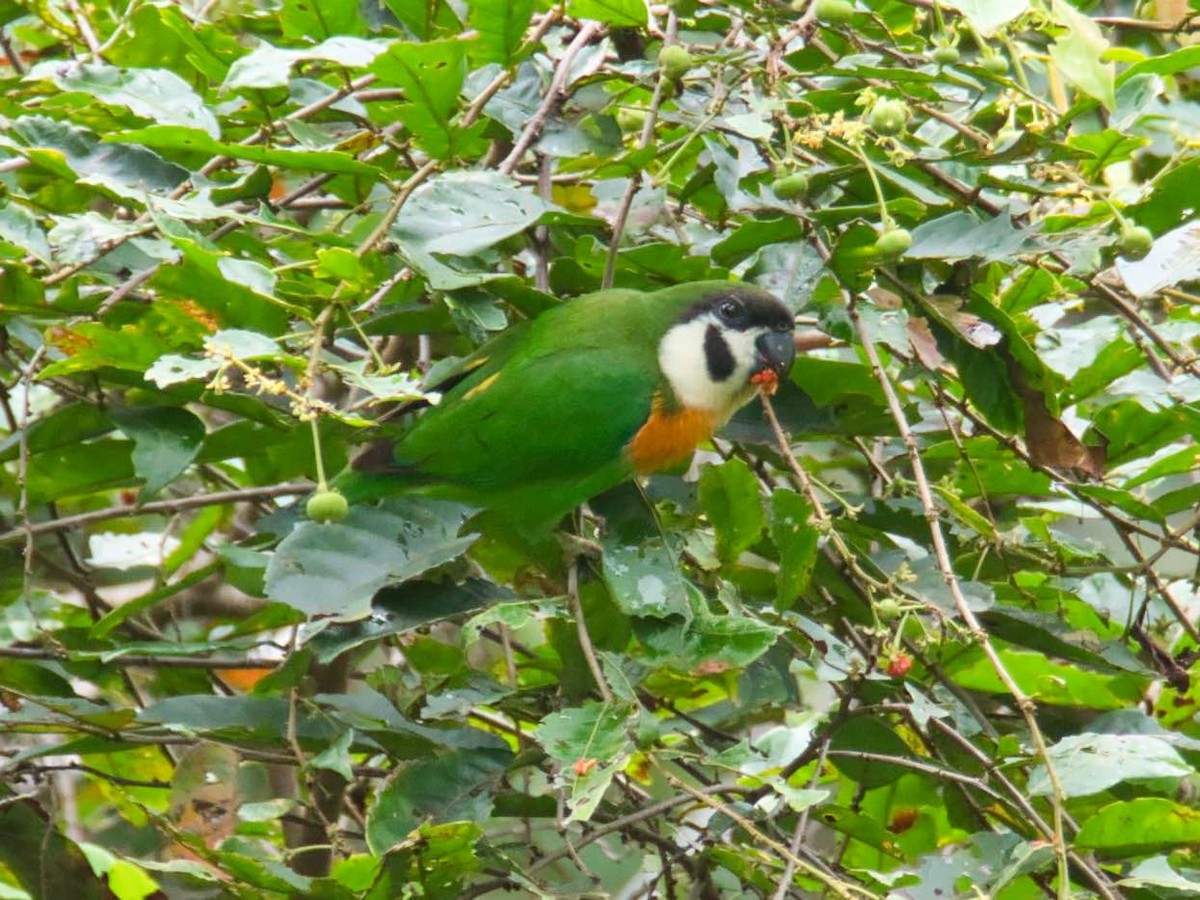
592 744
268 66
753 236
797 542
1105 148
865 734
622 13
1157 873
174 137
1078 53
165 441
960 235
729 495
425 18
155 94
1167 64
405 608
77 469
308 20
19 227
1175 257
334 569
457 785
830 381
644 579
989 16
432 76
501 25
463 213
1046 680
1090 763
1141 826
336 756
39 856
439 859
714 643
591 731
233 718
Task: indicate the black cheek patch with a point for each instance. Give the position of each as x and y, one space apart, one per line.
717 354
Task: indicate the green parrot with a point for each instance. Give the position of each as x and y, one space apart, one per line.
602 388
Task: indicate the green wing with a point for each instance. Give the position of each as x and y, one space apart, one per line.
551 417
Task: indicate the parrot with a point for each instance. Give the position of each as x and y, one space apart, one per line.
599 389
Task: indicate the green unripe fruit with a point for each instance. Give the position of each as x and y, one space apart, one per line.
674 60
834 12
888 117
888 609
327 506
893 242
789 187
1136 242
945 54
631 119
995 63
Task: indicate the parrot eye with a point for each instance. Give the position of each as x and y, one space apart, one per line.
730 310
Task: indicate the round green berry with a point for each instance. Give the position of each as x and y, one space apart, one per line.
888 609
327 506
789 187
994 63
1136 242
834 12
945 54
893 242
674 60
631 119
888 117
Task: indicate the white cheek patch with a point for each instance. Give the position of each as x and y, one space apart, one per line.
682 359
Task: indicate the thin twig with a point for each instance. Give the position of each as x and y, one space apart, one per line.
646 812
554 96
14 58
138 660
174 505
840 889
946 568
635 180
585 640
85 27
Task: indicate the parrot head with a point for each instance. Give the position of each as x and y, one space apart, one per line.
729 344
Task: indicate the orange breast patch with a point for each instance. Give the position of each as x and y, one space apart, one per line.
669 437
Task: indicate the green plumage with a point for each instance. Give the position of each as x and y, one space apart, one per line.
538 422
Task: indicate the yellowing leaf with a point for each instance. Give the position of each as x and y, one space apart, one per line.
1077 54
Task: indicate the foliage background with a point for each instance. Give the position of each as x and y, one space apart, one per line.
941 640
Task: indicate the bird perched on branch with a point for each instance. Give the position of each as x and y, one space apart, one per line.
604 387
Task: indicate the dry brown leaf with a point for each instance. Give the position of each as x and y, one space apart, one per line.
924 344
1052 444
974 330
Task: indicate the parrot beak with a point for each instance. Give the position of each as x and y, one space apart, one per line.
776 352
